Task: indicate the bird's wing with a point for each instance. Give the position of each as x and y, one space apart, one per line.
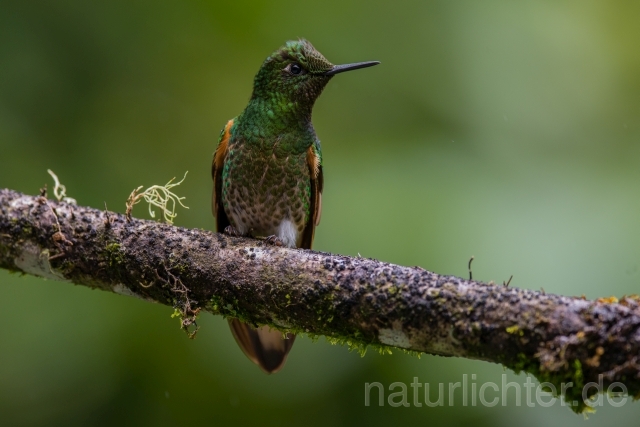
314 162
222 221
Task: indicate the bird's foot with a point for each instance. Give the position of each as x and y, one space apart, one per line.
231 231
274 240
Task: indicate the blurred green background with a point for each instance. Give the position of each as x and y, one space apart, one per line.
505 130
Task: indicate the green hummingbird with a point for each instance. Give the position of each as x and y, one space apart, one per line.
267 171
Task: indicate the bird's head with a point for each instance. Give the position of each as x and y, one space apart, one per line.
295 75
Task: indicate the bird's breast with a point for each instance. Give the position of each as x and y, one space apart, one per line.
266 192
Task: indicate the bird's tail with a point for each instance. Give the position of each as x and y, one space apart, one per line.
264 346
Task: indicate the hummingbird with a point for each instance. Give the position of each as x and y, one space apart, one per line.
267 172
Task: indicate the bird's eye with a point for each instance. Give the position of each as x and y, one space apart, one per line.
295 69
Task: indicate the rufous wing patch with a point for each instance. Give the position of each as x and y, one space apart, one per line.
216 173
313 160
223 147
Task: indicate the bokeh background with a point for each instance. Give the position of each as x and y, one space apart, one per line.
505 130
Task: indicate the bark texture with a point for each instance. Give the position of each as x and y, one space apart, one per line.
357 301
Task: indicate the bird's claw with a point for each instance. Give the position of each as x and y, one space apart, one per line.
274 240
231 231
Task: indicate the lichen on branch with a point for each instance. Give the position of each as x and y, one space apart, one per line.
159 196
357 301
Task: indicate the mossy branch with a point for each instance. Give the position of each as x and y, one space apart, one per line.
361 302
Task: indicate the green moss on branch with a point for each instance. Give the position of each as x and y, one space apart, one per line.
354 301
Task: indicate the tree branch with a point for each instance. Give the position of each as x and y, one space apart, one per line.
361 302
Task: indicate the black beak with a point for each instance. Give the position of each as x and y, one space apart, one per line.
348 67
